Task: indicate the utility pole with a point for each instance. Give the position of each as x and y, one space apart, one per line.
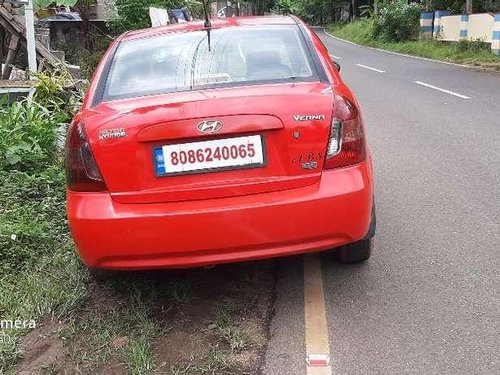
30 35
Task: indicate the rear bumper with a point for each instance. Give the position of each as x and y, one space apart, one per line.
331 213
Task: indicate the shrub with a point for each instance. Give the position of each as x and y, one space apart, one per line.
29 128
59 93
397 22
134 14
472 46
27 137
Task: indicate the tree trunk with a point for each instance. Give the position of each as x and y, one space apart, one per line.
82 8
353 4
468 6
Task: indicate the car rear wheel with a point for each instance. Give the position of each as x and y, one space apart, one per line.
356 252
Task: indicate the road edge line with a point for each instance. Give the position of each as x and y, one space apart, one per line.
404 54
316 327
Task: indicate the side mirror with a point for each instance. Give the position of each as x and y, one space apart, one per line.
337 65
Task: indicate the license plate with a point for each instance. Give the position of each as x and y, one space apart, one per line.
208 156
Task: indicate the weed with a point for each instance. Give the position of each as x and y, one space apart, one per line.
472 46
223 327
138 356
214 362
236 339
222 316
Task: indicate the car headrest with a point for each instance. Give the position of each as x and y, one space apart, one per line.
262 59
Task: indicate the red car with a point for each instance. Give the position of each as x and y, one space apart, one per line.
197 146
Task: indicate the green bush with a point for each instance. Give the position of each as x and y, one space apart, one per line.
29 128
397 22
472 46
59 93
27 136
134 14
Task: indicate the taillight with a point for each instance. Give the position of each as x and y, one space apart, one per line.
346 144
82 172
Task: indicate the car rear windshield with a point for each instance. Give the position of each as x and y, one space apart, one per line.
182 61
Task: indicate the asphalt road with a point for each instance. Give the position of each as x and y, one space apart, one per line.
428 301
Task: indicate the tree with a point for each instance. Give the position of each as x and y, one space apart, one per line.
81 6
468 6
134 14
42 4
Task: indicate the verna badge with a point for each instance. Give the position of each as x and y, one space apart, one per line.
210 126
308 117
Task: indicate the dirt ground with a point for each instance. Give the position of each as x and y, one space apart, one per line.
202 321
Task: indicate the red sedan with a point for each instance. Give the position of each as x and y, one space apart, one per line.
197 146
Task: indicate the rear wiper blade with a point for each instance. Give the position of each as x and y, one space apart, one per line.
208 23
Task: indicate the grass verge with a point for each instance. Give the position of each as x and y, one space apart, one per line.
463 52
41 276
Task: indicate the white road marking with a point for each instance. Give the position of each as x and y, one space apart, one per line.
442 90
335 57
316 328
335 37
370 68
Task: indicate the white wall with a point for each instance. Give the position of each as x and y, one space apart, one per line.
451 27
480 26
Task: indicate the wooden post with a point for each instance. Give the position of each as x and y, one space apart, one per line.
2 43
11 55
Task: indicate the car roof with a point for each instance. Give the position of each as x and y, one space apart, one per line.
217 23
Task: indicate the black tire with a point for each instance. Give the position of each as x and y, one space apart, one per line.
356 252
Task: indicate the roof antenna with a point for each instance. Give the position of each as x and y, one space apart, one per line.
208 23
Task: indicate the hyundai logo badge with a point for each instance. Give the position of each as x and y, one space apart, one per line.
210 126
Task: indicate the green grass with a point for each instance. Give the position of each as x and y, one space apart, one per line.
41 276
474 53
126 325
224 328
138 356
215 361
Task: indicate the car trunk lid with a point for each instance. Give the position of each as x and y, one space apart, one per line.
291 120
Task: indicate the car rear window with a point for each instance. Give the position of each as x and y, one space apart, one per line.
182 62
